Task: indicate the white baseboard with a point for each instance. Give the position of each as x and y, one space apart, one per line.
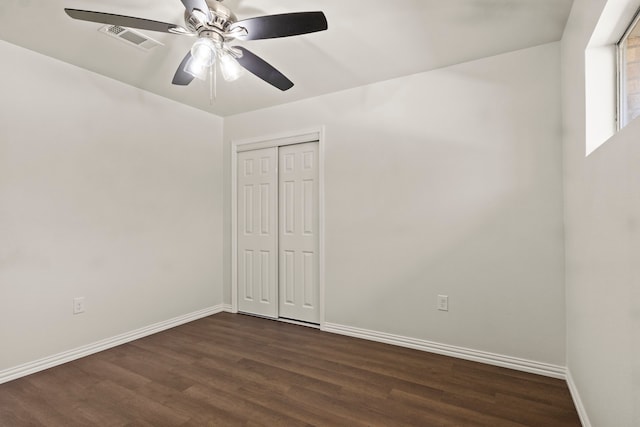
518 364
86 350
577 401
524 365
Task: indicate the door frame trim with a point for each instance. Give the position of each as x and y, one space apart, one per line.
269 141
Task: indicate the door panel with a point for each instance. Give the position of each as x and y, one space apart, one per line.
258 232
298 236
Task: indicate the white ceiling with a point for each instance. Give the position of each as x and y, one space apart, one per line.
367 41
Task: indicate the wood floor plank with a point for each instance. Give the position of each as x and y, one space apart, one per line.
44 408
199 412
233 401
98 368
235 370
449 414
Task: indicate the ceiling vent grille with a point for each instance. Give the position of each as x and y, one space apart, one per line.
130 37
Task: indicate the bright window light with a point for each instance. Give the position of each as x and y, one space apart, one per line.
629 74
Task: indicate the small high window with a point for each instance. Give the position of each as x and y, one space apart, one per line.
629 74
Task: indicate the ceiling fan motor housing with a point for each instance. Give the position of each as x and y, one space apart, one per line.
214 29
221 18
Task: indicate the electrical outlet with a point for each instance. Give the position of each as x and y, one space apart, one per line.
443 302
78 305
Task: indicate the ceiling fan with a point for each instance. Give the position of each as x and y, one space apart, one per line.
215 27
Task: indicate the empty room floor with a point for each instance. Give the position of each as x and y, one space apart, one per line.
236 370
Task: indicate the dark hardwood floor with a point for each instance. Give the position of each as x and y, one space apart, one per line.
234 370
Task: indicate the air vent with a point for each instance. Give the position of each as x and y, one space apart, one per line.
130 37
115 29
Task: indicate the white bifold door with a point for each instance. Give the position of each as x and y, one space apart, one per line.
278 224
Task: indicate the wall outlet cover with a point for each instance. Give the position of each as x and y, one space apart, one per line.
443 302
78 305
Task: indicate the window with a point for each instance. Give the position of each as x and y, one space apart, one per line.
629 74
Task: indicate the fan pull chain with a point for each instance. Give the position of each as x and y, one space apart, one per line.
213 84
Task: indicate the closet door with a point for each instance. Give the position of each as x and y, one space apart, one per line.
258 232
298 236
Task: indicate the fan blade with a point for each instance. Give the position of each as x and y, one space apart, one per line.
259 67
182 78
284 25
201 5
120 20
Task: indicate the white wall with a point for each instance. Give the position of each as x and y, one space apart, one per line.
602 246
446 182
106 192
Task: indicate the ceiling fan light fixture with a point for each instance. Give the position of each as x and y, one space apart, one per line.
196 69
203 52
203 56
231 69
